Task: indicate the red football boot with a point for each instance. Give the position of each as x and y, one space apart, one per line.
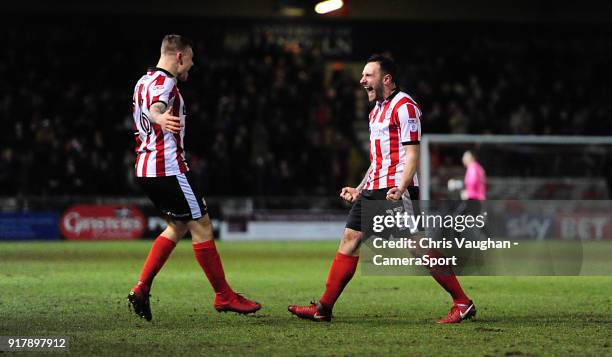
458 313
314 311
237 303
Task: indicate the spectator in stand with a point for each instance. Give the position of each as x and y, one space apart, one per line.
267 91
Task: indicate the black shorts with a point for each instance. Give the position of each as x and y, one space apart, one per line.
469 207
177 197
410 199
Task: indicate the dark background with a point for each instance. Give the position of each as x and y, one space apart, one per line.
274 102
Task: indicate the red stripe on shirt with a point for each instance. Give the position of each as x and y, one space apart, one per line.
394 142
140 95
414 135
148 97
373 113
398 105
394 147
138 103
176 108
160 161
136 166
179 154
411 111
159 81
384 111
412 102
138 142
379 161
378 153
368 183
143 172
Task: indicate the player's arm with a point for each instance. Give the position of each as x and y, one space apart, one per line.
349 194
163 117
410 168
365 179
408 119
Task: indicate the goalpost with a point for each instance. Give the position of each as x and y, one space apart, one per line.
524 165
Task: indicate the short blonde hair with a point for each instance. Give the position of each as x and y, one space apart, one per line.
175 43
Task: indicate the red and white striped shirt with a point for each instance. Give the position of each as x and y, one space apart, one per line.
395 122
159 153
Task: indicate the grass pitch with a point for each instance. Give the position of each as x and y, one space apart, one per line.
79 290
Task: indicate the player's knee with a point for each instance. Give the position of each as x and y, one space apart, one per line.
351 236
202 225
201 230
204 221
350 242
175 230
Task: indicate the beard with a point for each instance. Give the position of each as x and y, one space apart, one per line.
378 94
371 96
375 94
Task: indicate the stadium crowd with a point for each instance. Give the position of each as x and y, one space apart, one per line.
272 119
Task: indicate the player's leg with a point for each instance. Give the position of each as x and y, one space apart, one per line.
343 267
166 194
207 256
341 271
443 274
158 255
462 307
160 251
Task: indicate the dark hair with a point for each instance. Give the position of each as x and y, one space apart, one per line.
175 43
387 65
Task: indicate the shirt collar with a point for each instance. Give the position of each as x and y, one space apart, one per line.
390 97
154 69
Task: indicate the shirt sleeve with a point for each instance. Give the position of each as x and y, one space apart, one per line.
409 117
161 90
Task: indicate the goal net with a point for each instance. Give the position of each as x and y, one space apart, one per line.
519 167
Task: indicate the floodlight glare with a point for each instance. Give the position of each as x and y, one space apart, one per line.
328 6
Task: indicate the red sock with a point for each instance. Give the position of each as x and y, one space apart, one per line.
445 276
208 258
341 271
159 253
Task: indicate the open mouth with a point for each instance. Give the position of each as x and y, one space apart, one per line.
368 89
